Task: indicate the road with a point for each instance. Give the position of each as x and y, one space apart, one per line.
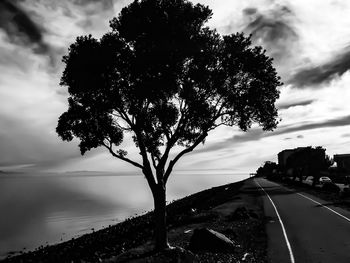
302 228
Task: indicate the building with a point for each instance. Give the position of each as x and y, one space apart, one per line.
343 161
283 156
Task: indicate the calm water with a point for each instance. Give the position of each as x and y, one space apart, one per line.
38 210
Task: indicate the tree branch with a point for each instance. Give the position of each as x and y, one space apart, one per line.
122 157
153 158
147 170
187 150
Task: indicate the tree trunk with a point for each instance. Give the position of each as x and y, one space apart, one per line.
161 237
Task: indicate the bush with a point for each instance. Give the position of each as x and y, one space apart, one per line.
345 192
331 187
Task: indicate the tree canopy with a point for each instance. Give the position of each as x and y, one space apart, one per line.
161 74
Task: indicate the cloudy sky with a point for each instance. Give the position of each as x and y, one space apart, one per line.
309 41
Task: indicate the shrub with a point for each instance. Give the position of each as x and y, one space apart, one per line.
331 187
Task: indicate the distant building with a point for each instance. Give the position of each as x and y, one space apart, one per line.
283 156
343 161
303 161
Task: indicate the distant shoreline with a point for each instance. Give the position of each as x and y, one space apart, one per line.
198 172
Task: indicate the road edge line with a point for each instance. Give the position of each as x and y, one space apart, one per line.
330 209
291 255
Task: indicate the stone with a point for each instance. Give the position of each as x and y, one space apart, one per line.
241 213
146 254
205 239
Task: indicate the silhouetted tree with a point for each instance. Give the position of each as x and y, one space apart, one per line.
167 79
260 172
269 169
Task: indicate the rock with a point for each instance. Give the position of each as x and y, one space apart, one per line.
230 232
132 254
253 214
172 255
146 254
247 256
205 239
239 214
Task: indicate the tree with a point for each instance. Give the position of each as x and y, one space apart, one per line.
163 76
269 169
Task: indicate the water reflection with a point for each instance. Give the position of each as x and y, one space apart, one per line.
39 209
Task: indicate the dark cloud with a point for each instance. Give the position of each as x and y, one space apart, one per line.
256 134
104 4
284 106
250 11
315 76
273 30
298 137
343 121
251 135
95 13
271 26
20 28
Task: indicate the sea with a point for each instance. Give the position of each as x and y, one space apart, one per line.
39 209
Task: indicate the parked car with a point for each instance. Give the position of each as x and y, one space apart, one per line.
309 180
325 179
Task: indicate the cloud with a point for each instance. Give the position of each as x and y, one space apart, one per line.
270 26
34 145
20 28
273 29
31 31
294 33
316 76
287 105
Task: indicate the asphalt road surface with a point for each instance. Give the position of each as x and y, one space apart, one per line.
302 228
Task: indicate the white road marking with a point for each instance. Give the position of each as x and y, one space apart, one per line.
330 209
292 260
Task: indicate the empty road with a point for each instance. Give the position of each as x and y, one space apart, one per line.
302 228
